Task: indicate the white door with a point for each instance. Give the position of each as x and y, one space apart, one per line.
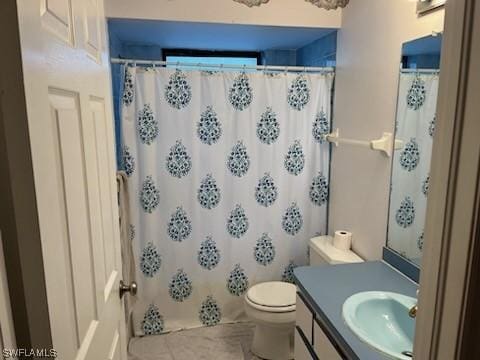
7 333
69 108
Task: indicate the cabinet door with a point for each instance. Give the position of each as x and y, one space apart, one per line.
322 345
304 318
302 351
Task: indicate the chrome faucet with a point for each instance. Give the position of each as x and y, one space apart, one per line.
413 311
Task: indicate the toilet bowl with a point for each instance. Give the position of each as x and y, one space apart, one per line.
271 307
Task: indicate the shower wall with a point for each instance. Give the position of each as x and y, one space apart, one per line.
321 52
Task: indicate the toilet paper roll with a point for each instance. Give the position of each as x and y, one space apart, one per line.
342 240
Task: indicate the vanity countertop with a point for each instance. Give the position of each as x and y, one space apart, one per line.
327 287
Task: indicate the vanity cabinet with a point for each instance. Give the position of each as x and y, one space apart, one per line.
311 342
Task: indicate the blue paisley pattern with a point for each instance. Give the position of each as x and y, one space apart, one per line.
149 195
426 185
405 214
147 125
128 88
420 241
208 194
180 286
292 220
238 161
209 72
294 159
237 222
268 128
128 161
319 190
179 162
431 127
264 251
237 282
208 256
179 227
241 93
150 260
210 313
321 127
153 323
416 94
266 192
298 93
209 128
287 275
410 156
178 92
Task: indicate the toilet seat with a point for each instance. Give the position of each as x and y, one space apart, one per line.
273 296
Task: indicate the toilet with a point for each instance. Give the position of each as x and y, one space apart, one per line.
271 305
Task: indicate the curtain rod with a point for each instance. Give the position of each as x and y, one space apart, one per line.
225 66
420 71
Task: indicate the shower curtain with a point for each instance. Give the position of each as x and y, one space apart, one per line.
228 179
415 126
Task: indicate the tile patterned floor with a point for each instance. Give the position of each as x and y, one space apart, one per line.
223 342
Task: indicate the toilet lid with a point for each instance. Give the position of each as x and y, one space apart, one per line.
273 294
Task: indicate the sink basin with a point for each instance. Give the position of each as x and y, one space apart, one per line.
381 320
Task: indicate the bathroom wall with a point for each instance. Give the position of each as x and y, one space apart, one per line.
321 52
279 57
276 12
430 61
368 60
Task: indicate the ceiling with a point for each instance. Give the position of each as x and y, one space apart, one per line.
210 36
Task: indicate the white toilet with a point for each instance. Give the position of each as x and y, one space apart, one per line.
271 305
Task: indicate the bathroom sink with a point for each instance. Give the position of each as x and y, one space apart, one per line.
381 320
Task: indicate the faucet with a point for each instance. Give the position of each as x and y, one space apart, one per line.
413 310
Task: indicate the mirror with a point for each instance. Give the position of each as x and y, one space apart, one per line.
415 129
424 6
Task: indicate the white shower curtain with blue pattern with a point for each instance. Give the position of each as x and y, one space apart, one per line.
228 179
415 127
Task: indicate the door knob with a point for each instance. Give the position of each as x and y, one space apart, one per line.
132 288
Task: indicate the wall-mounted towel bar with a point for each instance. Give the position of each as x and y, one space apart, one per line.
384 144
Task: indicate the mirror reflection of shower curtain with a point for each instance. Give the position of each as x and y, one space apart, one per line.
415 126
228 179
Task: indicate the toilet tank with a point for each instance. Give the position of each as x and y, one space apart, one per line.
322 252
